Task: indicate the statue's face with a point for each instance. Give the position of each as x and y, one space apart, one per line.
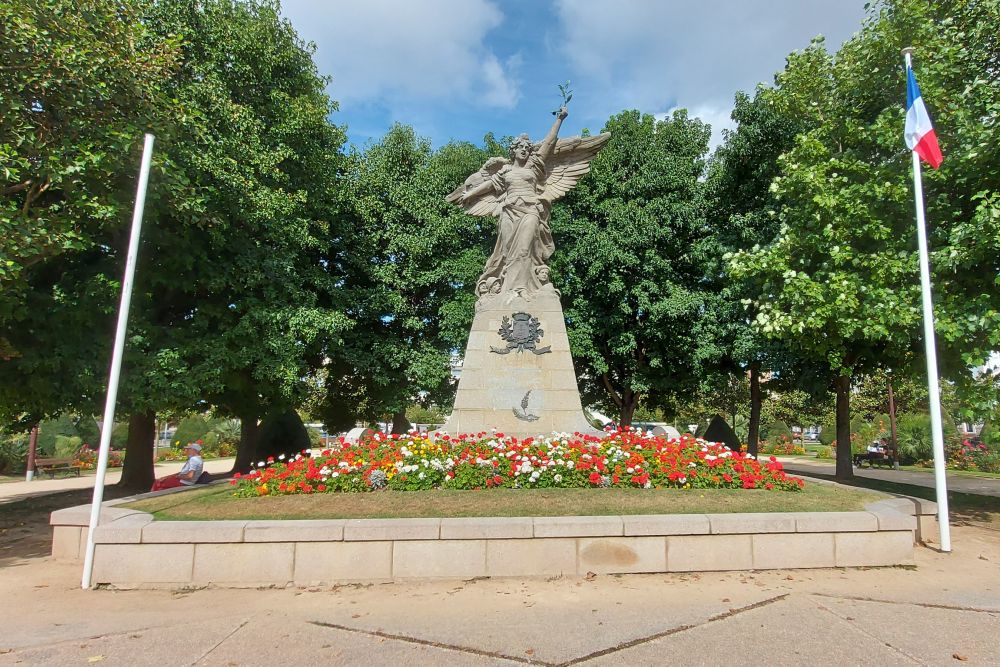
543 275
521 152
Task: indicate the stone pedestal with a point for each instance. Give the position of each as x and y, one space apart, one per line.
519 381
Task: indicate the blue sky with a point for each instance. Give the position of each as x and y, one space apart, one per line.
455 69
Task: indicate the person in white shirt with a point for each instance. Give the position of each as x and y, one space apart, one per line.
188 474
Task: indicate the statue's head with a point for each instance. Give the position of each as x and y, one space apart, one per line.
543 273
521 148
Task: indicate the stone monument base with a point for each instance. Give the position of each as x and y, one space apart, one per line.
518 374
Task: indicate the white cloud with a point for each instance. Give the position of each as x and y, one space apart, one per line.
656 55
398 50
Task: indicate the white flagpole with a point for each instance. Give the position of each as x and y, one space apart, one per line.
933 388
116 360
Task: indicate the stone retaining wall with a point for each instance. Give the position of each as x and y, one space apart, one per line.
133 550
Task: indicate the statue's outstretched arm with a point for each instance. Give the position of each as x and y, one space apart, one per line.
549 142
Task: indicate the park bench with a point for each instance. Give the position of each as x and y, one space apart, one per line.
50 466
880 459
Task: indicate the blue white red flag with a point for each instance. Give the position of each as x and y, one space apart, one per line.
920 136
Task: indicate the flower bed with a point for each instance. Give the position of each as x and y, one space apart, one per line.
419 462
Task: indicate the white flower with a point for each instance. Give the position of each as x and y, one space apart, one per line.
692 464
421 476
281 457
569 464
630 470
682 480
260 464
557 477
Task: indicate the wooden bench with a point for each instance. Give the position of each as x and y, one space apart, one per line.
51 466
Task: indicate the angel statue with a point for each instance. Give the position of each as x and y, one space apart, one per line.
519 192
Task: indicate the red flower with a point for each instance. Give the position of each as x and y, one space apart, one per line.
595 478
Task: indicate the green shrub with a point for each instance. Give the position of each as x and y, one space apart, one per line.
87 429
49 430
228 431
119 436
824 453
776 431
913 435
990 436
828 432
13 452
192 428
67 446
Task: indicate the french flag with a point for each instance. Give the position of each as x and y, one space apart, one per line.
920 136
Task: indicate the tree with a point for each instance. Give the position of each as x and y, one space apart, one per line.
741 209
77 89
239 304
631 246
234 303
410 292
839 283
75 92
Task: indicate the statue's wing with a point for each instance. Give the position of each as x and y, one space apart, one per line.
569 162
485 204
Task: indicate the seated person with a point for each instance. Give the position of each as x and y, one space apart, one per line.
188 475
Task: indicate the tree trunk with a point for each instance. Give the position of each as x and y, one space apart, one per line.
137 472
892 427
400 424
630 401
845 465
753 431
32 453
246 452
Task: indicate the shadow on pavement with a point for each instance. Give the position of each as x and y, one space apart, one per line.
24 524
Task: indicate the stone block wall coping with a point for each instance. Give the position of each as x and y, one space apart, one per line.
127 526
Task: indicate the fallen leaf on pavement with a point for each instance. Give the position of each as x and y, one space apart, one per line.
959 656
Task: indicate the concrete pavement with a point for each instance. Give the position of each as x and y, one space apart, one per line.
983 486
944 610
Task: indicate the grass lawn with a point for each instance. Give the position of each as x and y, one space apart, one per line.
218 503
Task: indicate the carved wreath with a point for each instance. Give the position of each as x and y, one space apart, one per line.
522 332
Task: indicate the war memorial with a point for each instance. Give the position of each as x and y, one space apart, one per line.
518 384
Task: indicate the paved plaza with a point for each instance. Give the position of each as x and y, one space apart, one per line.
943 610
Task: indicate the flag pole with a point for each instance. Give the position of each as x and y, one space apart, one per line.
933 387
108 424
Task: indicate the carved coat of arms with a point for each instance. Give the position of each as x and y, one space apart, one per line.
522 332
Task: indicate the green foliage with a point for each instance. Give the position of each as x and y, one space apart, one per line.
67 445
411 290
48 431
776 431
78 88
635 226
13 452
990 436
913 437
418 414
193 428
